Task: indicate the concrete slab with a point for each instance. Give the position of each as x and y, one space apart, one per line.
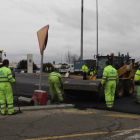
45 107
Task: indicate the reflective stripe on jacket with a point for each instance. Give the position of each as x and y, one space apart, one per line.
109 74
85 68
6 75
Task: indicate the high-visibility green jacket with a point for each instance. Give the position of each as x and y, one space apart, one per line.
56 77
109 74
6 75
137 77
85 68
91 71
47 69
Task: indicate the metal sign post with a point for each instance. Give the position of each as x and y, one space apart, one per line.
41 69
42 39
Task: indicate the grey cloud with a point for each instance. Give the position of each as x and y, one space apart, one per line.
72 18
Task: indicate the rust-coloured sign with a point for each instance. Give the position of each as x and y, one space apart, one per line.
42 35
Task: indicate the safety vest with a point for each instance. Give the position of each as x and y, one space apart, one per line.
85 68
137 77
55 74
6 75
46 69
109 74
91 72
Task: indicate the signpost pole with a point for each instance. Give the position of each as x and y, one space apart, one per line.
41 69
42 39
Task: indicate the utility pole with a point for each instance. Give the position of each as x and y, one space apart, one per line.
81 30
97 27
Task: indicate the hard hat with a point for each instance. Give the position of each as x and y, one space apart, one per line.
2 49
139 63
111 53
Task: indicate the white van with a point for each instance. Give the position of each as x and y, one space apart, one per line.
67 68
70 68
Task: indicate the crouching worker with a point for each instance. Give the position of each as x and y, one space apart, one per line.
55 82
6 94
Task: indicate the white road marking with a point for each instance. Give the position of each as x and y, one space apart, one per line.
121 134
135 137
125 133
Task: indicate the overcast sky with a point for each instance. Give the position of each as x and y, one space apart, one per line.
119 28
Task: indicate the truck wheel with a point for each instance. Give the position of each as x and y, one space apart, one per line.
119 91
128 88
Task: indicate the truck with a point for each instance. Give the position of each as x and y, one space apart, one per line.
66 68
125 70
76 68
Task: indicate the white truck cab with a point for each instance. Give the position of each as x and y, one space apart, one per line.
67 68
70 68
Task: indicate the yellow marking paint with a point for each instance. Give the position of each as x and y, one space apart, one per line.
123 116
78 112
80 135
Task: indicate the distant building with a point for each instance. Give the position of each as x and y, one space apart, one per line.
57 65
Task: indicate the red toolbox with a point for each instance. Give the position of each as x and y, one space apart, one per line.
40 96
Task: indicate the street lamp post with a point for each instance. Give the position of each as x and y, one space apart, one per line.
97 27
61 57
81 30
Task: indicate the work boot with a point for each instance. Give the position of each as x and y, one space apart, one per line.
14 113
61 102
110 109
3 114
52 101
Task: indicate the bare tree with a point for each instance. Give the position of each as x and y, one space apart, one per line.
75 57
70 58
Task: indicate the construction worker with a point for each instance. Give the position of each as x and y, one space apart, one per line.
55 82
91 71
47 69
6 94
137 82
85 71
109 80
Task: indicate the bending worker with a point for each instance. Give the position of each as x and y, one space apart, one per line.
55 82
109 79
6 94
85 71
137 82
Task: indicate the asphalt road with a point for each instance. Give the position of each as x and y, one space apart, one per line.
70 124
27 83
80 123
